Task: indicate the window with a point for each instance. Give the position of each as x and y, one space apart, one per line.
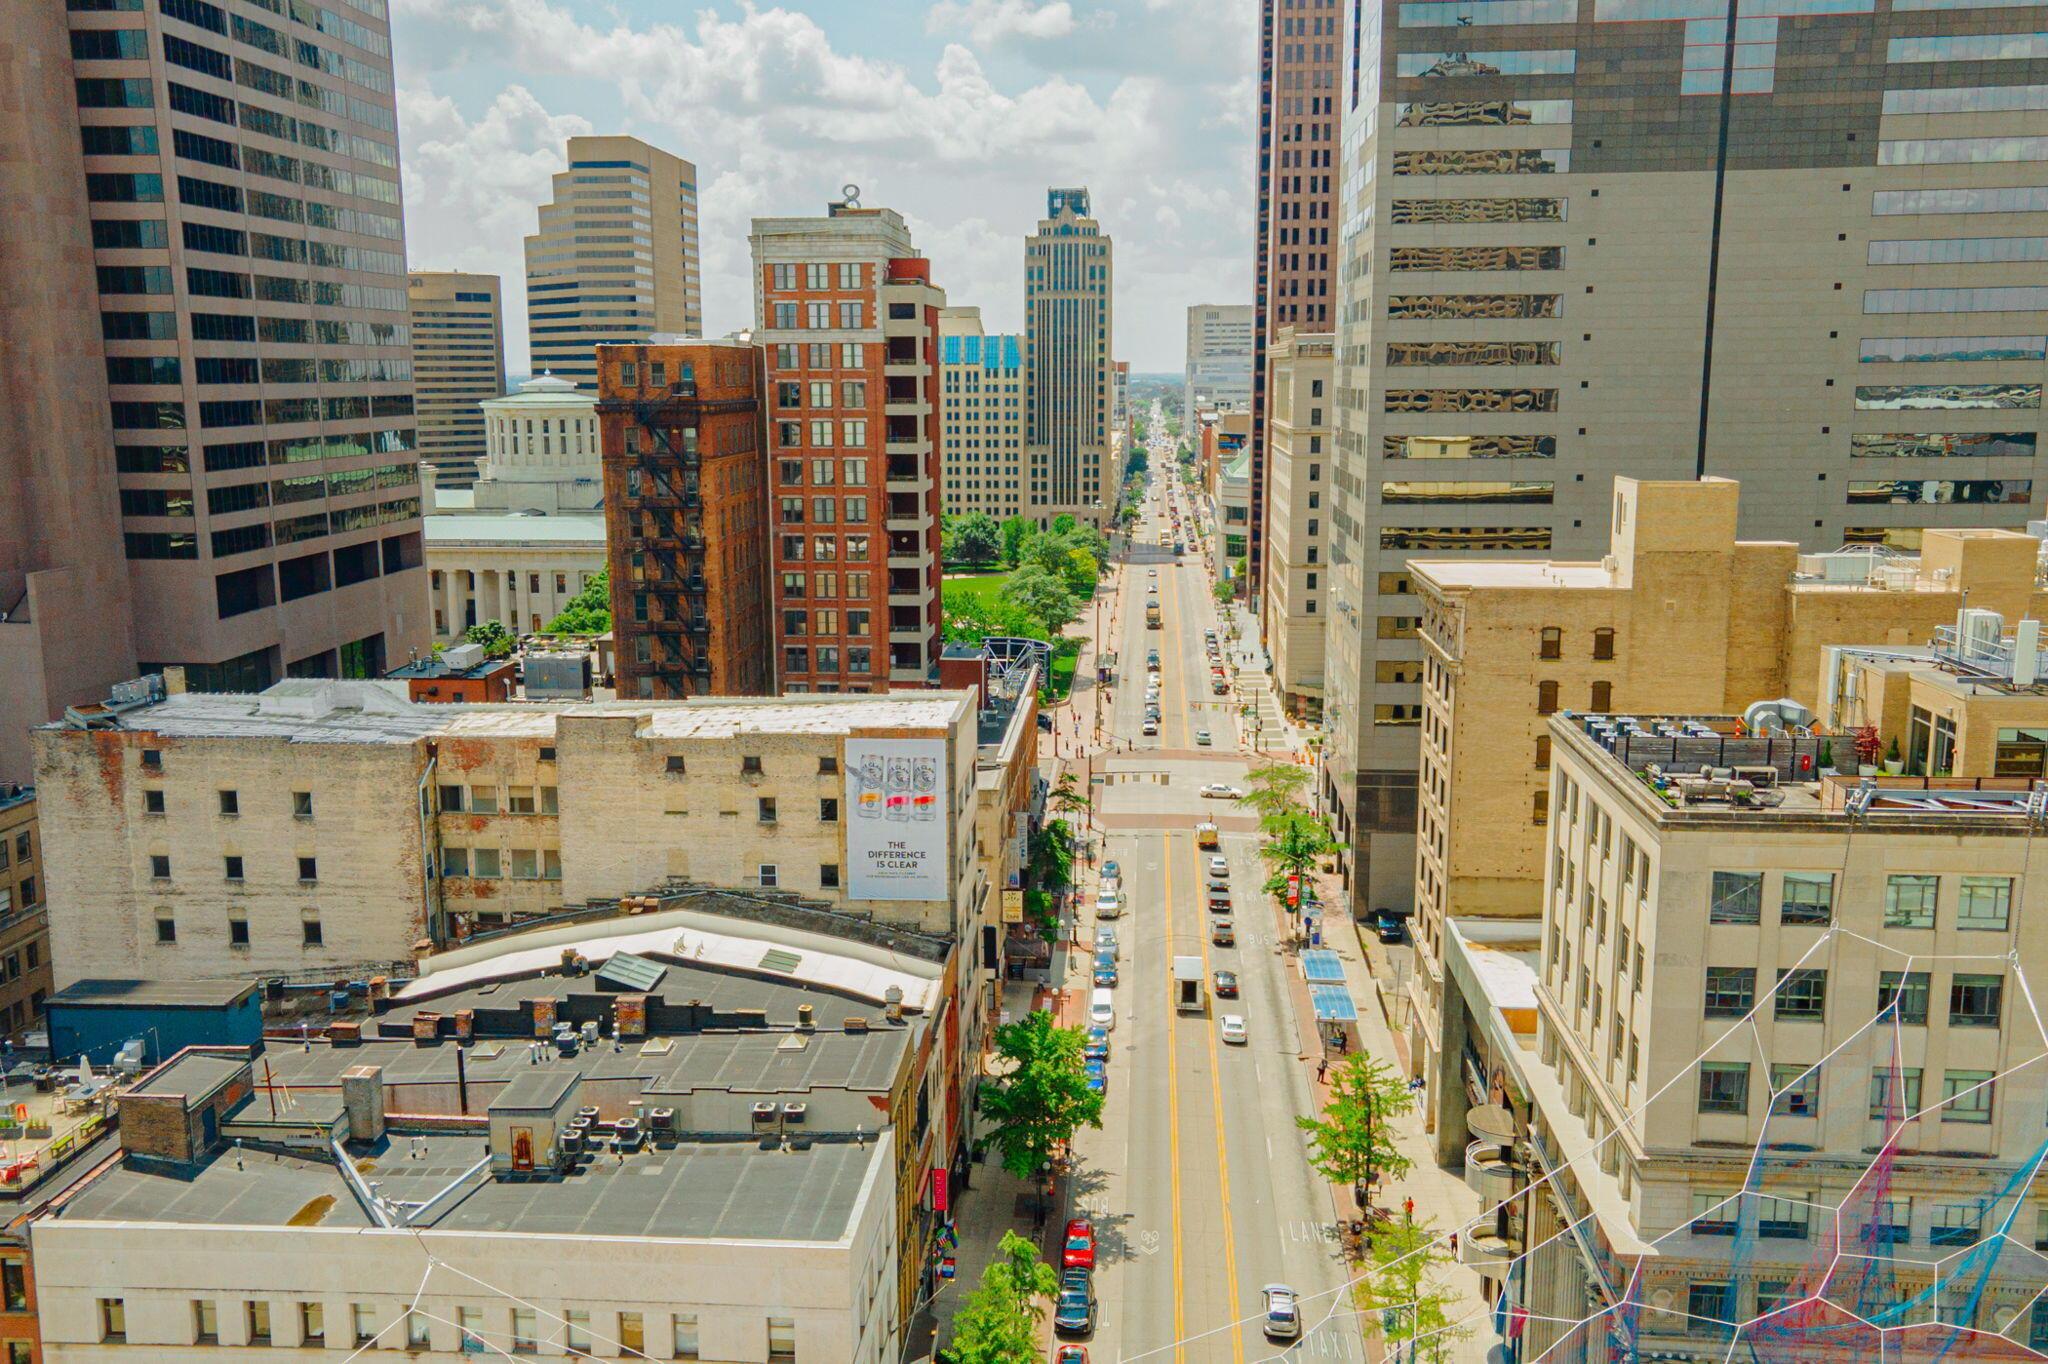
419 1331
1909 901
519 800
232 868
1552 644
828 876
1543 753
113 1319
259 1322
451 799
205 1321
302 804
1714 1213
525 1334
1546 698
1738 898
238 932
686 1336
828 809
525 864
766 806
1782 1219
1966 1096
1724 1087
1984 902
768 877
484 862
483 800
1603 643
309 869
1894 1092
1709 1306
310 934
230 803
160 866
1808 898
576 1328
1731 991
1795 1091
152 803
781 1340
674 765
1955 1224
1974 1001
362 1322
470 1322
1906 989
632 1334
166 928
1802 995
454 861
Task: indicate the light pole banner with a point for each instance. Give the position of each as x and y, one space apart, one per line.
898 838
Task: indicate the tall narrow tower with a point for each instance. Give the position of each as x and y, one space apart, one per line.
615 257
1068 274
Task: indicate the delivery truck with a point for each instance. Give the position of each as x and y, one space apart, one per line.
1187 985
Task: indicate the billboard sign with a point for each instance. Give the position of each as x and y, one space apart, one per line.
897 840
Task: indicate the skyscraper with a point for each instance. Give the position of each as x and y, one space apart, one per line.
1068 360
615 258
1294 278
458 357
244 195
982 393
850 318
1218 370
1794 255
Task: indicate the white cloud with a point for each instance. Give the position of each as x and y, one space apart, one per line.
778 114
991 21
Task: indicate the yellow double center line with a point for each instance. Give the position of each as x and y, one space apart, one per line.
1180 1316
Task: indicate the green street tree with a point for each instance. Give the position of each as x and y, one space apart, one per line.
977 540
1052 855
972 617
1043 596
1016 531
493 635
1066 796
589 612
1275 789
999 1321
1224 590
1040 1097
1404 1287
1295 842
1353 1141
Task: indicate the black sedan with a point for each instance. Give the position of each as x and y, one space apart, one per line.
1074 1314
1226 984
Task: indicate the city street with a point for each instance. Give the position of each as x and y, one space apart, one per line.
1197 1183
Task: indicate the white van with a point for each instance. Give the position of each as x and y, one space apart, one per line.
1102 1009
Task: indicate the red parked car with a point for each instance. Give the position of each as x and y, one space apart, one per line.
1070 1354
1080 1248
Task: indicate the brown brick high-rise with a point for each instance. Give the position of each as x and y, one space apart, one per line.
686 517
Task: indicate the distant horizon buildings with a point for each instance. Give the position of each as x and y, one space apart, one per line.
1218 367
615 258
458 353
1069 294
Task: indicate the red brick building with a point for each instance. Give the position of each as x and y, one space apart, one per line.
686 517
848 321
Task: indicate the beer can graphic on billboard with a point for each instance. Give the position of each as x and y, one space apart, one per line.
897 793
924 789
867 774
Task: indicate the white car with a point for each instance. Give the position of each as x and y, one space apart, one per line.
1233 1029
1283 1312
1108 903
1149 727
1105 941
1218 791
1219 868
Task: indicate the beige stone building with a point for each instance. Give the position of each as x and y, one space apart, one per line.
1218 368
1679 617
1069 362
615 258
518 570
981 417
24 916
1742 998
218 835
458 358
1296 515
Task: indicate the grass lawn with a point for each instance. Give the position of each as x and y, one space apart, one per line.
1062 676
965 587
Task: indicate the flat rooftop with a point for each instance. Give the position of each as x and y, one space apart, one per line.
194 1074
717 1190
568 529
324 711
1508 573
154 994
1688 767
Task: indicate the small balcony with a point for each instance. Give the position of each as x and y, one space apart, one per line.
1482 1248
1489 1174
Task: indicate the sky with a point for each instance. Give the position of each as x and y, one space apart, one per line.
959 114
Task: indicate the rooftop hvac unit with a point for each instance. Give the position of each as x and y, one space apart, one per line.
794 1113
462 657
663 1119
765 1115
570 1143
1980 631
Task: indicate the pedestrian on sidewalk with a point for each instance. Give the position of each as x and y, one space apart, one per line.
1408 1207
1322 1069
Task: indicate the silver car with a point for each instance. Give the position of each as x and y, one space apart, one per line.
1283 1312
